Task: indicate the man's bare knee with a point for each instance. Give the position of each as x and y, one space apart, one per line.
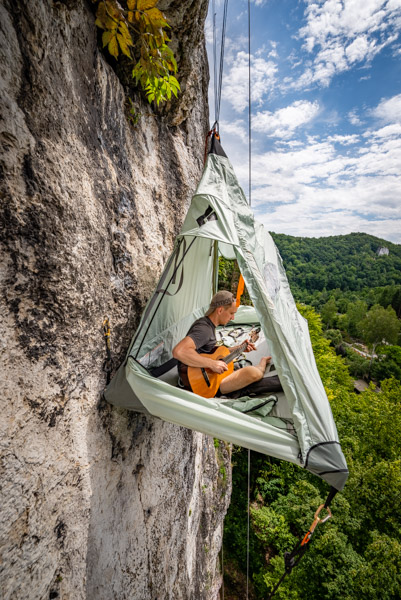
255 374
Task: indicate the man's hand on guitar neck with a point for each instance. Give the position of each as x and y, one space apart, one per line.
250 346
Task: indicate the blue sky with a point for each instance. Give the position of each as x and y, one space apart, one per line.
326 112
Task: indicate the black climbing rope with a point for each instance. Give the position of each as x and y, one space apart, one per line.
247 524
223 39
249 105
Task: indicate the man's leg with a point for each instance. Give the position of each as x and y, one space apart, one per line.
244 377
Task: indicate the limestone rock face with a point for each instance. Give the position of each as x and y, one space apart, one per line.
96 502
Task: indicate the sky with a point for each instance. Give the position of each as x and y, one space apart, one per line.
326 112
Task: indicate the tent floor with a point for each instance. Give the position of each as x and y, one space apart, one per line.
281 410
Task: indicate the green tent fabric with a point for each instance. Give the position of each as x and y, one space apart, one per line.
220 221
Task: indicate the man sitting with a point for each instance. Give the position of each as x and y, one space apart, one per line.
201 339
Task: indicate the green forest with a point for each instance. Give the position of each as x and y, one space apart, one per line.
353 314
345 262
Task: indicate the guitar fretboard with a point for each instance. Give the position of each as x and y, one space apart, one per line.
253 335
227 359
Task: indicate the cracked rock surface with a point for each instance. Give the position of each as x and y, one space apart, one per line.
97 503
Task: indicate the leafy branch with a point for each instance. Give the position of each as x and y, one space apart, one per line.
156 64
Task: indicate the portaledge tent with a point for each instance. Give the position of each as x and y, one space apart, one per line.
220 221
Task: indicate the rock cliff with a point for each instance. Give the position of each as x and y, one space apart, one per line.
97 503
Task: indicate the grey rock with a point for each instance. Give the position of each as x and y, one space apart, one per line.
96 502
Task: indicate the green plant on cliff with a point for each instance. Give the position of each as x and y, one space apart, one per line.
137 29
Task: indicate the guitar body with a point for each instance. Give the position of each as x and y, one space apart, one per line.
205 382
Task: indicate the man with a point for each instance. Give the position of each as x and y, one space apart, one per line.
201 339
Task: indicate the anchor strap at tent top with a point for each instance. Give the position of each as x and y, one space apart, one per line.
291 559
108 362
214 132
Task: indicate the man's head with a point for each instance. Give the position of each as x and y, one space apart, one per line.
222 308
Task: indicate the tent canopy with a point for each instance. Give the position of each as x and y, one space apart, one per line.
220 221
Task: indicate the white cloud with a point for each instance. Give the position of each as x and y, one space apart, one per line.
388 131
235 81
284 121
322 189
353 118
360 49
343 34
237 128
389 110
345 140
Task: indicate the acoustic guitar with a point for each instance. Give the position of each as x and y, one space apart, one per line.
205 382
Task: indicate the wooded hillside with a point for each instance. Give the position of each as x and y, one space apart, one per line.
348 262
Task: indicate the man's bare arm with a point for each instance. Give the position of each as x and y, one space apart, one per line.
185 351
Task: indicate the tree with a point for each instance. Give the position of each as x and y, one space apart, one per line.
388 363
380 324
335 337
328 312
356 312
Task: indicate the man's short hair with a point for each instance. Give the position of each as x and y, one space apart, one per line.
222 298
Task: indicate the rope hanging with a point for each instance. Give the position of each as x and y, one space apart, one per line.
249 105
241 282
247 528
218 82
214 57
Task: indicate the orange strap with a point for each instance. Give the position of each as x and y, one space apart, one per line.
316 521
240 290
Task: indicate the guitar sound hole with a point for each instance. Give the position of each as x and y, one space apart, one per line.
206 378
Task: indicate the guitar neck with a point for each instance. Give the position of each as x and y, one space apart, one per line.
227 359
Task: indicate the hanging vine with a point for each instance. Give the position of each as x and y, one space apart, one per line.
137 29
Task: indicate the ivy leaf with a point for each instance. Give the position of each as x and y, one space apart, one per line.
125 33
101 16
111 14
123 45
107 37
113 47
146 4
156 18
156 62
174 82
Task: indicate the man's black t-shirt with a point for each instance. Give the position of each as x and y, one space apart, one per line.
203 333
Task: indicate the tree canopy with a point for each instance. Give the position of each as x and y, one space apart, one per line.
347 262
380 325
357 553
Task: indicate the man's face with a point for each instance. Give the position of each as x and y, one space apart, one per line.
227 313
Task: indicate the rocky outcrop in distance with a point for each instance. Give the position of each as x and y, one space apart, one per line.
97 502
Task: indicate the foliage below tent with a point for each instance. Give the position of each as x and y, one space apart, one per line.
358 552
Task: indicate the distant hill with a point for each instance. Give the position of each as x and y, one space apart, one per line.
348 262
